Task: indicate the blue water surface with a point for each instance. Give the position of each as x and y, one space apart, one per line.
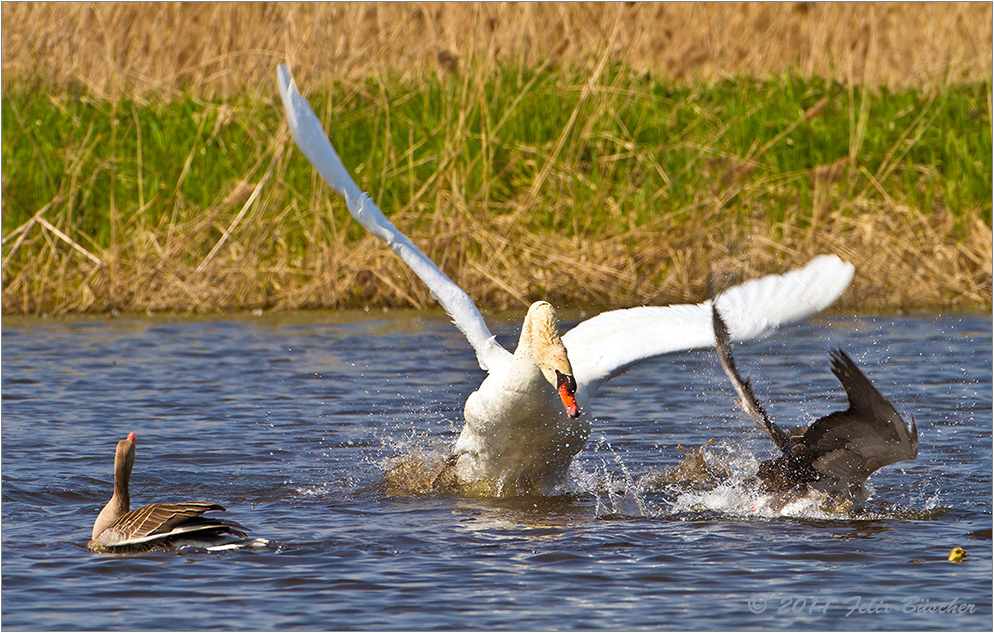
290 420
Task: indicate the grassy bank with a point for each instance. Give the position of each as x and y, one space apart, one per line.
603 187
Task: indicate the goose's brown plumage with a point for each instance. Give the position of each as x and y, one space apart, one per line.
122 530
839 451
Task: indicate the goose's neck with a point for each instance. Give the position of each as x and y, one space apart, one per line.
120 501
122 478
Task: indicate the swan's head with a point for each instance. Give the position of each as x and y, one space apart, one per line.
957 554
540 338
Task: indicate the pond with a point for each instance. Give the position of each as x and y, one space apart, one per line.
290 421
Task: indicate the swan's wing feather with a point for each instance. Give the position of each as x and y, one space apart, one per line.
610 343
314 143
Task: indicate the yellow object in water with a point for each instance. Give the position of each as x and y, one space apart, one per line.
956 555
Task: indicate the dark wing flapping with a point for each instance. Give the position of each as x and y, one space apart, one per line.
747 399
870 434
165 520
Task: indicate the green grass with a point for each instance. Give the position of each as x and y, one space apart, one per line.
630 155
924 151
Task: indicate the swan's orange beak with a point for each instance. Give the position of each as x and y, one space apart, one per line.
567 389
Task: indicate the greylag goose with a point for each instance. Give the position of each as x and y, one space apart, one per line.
523 425
832 458
120 530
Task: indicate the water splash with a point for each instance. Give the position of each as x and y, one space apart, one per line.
716 477
626 497
419 472
723 478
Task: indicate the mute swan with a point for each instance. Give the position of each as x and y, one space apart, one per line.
520 435
836 454
120 530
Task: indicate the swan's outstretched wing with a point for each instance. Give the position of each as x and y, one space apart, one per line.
313 142
610 343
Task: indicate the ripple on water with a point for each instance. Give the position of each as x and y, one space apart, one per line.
291 423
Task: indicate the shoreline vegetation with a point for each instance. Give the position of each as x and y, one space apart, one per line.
588 181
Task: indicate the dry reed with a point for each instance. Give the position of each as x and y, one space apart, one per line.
234 254
220 49
906 258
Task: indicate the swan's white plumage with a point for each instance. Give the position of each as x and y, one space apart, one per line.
313 142
607 344
517 437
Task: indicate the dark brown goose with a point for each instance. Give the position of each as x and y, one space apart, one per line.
119 530
838 452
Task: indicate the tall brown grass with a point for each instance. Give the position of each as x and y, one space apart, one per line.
233 255
218 49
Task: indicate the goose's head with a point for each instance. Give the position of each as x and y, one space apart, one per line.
124 457
957 554
540 338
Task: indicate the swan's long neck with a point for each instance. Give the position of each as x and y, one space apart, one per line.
542 346
540 341
120 501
